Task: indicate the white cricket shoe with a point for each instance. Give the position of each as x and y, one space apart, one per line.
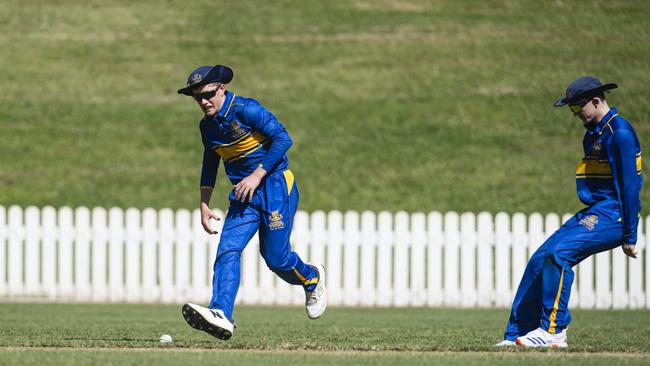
316 301
505 343
211 321
541 338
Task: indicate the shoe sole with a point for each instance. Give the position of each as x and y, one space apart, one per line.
552 345
197 321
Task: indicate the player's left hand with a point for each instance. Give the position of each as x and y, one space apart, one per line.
629 250
245 189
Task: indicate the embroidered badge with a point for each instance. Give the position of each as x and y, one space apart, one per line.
237 130
275 221
196 78
597 148
589 222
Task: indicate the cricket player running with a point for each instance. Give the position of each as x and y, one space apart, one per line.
252 144
609 182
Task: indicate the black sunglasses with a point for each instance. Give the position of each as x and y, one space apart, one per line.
205 95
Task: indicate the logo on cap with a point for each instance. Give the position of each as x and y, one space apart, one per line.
196 78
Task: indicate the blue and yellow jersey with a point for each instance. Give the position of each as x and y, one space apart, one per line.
244 135
611 169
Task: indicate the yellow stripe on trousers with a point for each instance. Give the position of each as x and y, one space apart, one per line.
551 327
288 176
303 279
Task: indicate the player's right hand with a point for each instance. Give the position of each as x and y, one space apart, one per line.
629 250
206 215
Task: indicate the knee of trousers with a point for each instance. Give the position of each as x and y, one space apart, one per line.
278 264
226 255
557 258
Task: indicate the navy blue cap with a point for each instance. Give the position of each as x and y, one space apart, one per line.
581 89
206 75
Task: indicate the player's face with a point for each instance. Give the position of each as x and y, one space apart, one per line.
209 97
586 111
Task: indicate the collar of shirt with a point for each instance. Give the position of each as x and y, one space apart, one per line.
227 103
598 129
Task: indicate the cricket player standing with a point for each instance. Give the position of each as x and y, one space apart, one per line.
252 144
609 182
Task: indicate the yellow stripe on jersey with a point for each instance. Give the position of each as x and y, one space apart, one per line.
592 168
236 141
243 147
638 163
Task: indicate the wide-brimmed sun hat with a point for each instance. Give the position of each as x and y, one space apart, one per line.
206 75
583 88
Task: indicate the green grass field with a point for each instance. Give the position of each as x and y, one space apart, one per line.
54 334
413 105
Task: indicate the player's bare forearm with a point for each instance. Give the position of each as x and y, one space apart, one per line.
245 189
206 212
206 193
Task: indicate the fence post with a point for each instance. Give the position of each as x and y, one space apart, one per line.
603 293
32 251
385 259
15 251
166 254
519 249
98 253
468 259
502 259
620 298
3 259
50 239
418 260
335 241
435 240
150 287
351 259
635 273
66 237
82 253
485 243
132 248
401 268
450 259
183 237
368 281
115 253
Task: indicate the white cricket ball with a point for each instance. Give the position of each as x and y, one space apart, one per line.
166 338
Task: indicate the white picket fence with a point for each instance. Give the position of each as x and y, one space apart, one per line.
372 259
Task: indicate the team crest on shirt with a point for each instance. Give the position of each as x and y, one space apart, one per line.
237 130
589 221
597 148
275 221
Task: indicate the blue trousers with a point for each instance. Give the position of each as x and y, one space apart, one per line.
271 212
543 294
